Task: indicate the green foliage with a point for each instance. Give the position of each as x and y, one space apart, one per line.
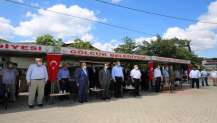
3 41
172 48
48 40
80 44
128 46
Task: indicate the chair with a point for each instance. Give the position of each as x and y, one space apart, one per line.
72 91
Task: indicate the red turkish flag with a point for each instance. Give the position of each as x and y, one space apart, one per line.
190 66
150 70
53 62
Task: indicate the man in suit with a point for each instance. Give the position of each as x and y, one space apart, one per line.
105 79
82 81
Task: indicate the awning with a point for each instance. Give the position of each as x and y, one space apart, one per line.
65 51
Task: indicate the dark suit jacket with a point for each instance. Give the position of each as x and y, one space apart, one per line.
81 77
104 77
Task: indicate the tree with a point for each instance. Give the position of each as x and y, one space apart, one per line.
182 43
48 40
173 48
3 41
129 46
80 44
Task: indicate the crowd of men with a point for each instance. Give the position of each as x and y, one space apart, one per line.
37 77
172 77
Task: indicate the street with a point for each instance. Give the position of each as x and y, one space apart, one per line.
184 106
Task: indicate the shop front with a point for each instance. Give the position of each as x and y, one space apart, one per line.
24 54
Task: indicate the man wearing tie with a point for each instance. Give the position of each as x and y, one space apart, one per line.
118 77
82 81
104 79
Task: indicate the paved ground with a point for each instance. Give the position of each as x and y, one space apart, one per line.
186 106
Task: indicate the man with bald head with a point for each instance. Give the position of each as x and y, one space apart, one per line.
36 77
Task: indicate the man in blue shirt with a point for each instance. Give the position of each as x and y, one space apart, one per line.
165 73
118 77
9 79
63 78
36 77
204 75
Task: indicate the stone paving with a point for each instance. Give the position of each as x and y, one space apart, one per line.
185 106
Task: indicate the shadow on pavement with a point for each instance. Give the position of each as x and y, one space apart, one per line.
21 104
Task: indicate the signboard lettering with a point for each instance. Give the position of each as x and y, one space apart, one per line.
25 48
90 53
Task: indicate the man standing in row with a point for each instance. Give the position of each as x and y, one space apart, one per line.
17 83
172 78
36 78
204 75
104 80
136 79
82 81
118 77
213 75
166 76
63 78
195 75
158 78
9 80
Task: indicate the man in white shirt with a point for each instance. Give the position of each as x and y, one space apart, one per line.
158 78
195 75
36 78
204 75
136 78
